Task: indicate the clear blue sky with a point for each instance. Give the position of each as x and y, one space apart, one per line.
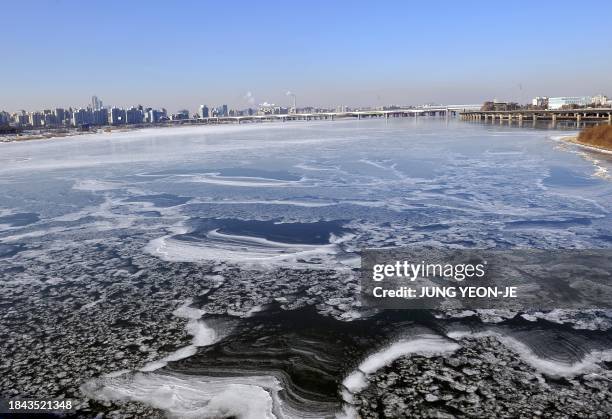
184 53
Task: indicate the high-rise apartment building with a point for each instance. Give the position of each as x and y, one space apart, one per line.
60 115
204 111
100 116
134 116
117 116
82 117
36 119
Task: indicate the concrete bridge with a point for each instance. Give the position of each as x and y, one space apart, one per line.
443 110
573 115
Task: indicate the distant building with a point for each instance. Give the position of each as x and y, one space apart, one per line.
117 116
100 116
60 115
540 102
5 118
497 105
96 104
134 116
153 116
568 101
181 115
217 112
204 111
162 115
37 119
266 108
82 117
599 100
22 119
50 120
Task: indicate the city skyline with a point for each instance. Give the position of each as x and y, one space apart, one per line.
327 55
97 104
97 115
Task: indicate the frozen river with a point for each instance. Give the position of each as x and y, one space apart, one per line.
211 269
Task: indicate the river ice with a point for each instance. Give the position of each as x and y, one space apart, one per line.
201 230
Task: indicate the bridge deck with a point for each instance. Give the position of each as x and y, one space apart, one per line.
334 115
554 115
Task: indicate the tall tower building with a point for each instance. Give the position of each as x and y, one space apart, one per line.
96 104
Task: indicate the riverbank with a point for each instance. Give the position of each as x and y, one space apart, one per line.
576 141
598 138
50 135
73 132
